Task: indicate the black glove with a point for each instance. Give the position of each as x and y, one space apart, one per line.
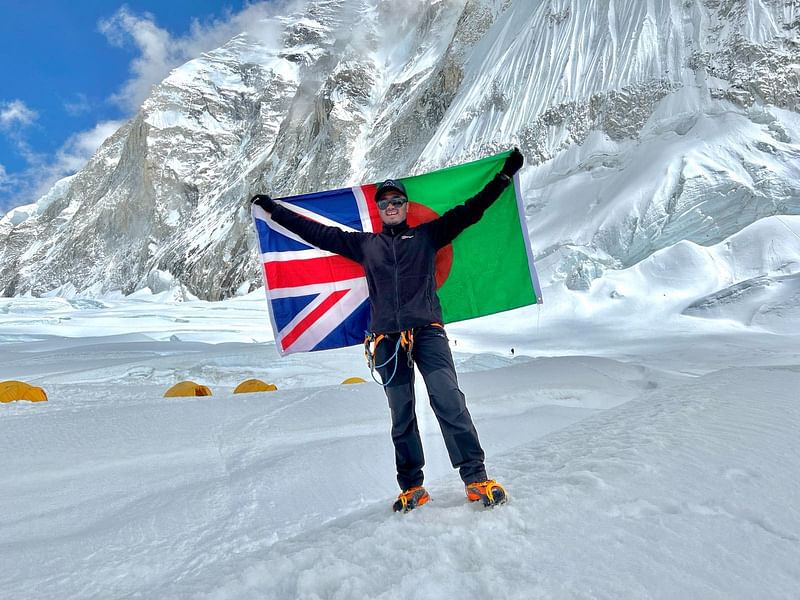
264 201
513 163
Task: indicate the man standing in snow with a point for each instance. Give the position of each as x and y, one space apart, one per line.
407 325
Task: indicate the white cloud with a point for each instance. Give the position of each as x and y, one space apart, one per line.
79 106
15 116
16 113
80 147
72 156
160 52
43 172
8 185
5 184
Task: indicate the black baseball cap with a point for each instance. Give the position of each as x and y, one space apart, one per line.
388 185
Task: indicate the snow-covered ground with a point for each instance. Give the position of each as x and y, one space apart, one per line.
647 456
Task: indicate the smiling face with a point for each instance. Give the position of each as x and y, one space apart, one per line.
393 208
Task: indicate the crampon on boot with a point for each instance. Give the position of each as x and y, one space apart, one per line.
411 499
489 492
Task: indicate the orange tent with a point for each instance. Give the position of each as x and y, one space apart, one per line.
254 385
187 388
11 391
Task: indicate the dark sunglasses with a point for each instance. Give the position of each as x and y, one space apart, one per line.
383 204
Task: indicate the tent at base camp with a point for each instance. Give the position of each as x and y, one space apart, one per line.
350 380
11 391
187 388
254 385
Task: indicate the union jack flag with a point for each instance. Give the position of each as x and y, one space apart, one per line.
317 300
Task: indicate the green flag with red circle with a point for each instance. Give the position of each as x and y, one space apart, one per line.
489 267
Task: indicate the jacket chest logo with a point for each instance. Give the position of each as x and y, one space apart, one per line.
406 237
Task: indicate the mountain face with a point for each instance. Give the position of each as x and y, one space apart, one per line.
644 125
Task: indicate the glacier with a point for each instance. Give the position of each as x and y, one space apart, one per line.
642 460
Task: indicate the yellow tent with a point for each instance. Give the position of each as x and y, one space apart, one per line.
254 385
350 380
19 390
187 388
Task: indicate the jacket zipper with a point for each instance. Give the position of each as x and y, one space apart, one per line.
396 285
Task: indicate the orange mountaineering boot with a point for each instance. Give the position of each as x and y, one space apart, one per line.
489 492
411 499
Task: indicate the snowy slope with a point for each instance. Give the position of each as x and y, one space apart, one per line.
684 493
652 463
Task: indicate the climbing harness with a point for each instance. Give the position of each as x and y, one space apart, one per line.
405 340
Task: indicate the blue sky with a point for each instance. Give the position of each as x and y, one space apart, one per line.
73 72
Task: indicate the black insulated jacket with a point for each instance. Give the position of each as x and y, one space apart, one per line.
399 261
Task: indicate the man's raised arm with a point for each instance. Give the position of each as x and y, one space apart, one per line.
445 229
332 239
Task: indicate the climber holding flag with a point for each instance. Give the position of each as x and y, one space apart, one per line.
406 325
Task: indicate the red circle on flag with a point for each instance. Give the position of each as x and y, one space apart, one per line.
419 214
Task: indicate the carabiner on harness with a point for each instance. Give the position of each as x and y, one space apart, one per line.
405 340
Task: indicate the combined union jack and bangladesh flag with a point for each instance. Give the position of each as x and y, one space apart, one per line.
318 300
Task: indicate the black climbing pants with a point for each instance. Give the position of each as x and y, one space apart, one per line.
431 353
